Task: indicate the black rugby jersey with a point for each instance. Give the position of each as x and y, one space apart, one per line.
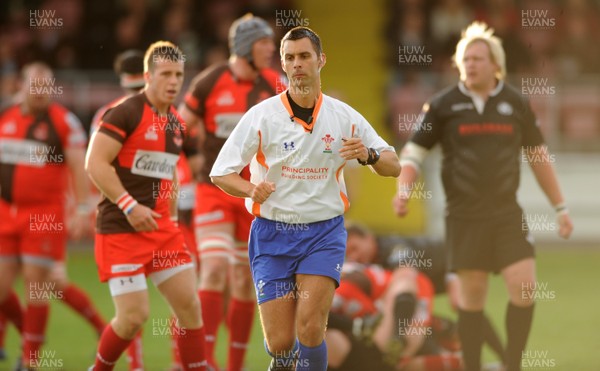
481 151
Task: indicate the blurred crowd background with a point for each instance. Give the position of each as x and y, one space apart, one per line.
552 49
91 33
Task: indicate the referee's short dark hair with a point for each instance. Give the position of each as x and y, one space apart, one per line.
162 51
301 32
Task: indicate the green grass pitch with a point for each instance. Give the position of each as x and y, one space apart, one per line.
565 334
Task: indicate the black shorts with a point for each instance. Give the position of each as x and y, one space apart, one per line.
487 244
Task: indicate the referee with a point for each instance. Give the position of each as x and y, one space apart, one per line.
483 124
297 144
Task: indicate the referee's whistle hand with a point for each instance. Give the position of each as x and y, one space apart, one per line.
262 191
142 218
353 148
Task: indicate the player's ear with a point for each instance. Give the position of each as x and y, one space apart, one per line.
283 65
322 61
147 76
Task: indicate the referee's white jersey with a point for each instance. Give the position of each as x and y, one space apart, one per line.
302 159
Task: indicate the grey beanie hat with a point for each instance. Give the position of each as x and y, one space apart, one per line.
244 32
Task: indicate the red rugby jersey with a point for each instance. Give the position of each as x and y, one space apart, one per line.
33 167
220 100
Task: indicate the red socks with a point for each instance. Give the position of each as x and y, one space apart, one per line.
191 349
12 310
212 315
174 350
110 348
34 329
81 303
240 318
134 353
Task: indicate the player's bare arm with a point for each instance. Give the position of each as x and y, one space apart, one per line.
174 199
192 121
75 158
539 161
387 165
411 158
101 153
237 186
405 183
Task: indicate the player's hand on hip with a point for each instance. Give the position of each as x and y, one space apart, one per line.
565 225
353 148
400 204
142 218
262 191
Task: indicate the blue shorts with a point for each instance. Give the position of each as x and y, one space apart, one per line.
278 251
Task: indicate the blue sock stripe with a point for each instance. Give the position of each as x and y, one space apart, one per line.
267 349
312 358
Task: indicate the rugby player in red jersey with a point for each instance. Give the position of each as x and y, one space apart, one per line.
131 157
42 145
129 66
217 99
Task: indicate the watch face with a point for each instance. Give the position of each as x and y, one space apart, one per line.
375 155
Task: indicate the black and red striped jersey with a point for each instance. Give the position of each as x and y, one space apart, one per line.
220 100
146 163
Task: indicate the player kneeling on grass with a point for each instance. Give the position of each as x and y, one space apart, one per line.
427 255
132 160
404 338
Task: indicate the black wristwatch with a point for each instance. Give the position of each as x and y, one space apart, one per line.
372 159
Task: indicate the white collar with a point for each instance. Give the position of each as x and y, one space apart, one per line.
476 98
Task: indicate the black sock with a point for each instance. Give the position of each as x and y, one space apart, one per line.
404 309
490 337
518 325
470 330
